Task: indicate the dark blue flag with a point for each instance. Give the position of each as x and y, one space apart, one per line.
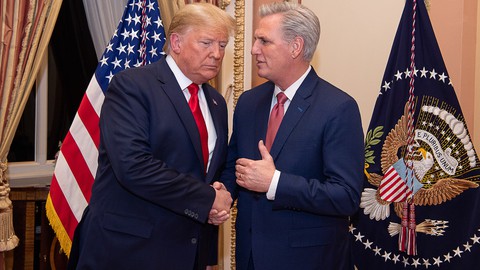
418 150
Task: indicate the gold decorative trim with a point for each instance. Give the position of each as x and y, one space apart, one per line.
224 3
233 214
239 45
238 88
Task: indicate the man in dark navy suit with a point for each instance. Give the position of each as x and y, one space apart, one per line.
297 190
155 202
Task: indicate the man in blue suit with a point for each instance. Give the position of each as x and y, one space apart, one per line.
296 192
154 202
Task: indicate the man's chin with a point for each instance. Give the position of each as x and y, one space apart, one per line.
261 73
210 73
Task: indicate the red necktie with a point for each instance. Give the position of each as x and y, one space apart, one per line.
197 114
276 117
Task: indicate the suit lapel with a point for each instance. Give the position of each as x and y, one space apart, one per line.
213 106
172 89
298 106
262 113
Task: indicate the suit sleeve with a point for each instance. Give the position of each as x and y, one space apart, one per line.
337 190
125 132
228 177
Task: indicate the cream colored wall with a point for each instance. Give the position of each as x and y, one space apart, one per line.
355 41
457 38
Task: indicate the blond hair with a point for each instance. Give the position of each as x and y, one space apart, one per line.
200 15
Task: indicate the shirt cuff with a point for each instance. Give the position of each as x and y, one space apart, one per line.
272 190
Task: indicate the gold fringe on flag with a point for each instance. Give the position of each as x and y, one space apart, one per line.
58 228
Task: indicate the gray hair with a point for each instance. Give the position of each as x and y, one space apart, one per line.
299 21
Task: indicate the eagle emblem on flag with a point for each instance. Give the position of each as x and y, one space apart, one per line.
442 151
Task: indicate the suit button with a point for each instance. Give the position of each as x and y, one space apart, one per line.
194 241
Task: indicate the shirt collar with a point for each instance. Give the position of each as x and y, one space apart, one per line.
292 89
182 80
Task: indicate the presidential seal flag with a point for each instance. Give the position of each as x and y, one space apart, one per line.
420 203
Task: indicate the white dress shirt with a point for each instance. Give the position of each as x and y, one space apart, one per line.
184 82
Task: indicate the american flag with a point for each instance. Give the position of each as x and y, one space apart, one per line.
138 40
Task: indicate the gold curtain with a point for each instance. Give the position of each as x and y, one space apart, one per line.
167 9
25 30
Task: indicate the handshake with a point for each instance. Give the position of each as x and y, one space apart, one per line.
254 175
221 206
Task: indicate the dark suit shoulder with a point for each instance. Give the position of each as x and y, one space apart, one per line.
333 89
317 86
326 94
213 92
142 71
261 88
139 82
256 94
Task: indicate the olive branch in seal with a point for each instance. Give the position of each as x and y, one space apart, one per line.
372 138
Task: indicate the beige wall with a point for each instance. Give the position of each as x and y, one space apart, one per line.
455 25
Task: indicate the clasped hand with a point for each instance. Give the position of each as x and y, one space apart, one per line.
221 206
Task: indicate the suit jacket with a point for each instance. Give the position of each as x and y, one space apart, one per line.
320 153
151 197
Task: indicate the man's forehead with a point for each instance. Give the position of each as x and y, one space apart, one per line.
205 33
265 33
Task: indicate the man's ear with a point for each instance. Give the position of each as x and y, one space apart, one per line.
175 43
296 47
